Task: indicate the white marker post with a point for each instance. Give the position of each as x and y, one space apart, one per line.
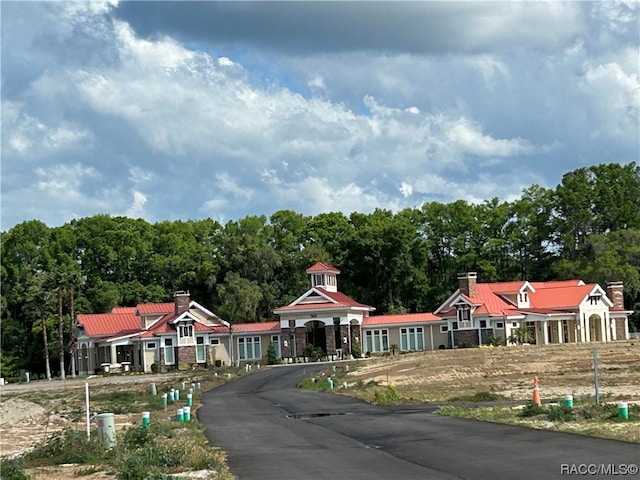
86 401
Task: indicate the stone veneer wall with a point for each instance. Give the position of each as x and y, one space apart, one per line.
344 332
186 356
285 337
621 332
301 341
330 339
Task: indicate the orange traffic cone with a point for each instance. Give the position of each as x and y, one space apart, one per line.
536 392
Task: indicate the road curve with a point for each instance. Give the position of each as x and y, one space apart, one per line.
272 430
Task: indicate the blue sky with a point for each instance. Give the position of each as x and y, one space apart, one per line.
188 110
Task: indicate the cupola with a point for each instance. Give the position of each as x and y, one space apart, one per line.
323 276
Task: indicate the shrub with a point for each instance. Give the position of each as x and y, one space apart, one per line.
388 396
155 367
531 410
314 353
272 357
65 446
560 413
479 397
356 348
218 363
12 470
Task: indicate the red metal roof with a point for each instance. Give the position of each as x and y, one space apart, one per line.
505 287
560 297
257 327
149 308
108 324
398 319
121 310
557 284
322 267
339 300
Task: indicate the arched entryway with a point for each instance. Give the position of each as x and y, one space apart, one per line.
316 335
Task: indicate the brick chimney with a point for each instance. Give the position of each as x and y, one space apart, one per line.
615 292
467 283
182 300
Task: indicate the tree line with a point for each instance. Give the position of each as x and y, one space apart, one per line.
588 227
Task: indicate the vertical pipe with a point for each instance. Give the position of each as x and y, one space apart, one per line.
86 402
595 374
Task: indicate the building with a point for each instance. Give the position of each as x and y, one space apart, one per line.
184 334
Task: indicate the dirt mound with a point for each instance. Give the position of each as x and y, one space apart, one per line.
23 424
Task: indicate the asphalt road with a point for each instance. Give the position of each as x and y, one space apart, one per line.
272 430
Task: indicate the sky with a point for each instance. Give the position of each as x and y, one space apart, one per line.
192 110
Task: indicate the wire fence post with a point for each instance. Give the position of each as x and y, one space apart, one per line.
595 374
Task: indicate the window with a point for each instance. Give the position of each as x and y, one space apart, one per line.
318 279
376 340
499 325
514 324
151 345
186 331
483 324
200 351
275 339
454 326
411 338
214 341
249 348
168 351
593 299
444 328
464 316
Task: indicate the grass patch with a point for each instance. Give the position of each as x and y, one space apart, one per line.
478 397
585 419
141 453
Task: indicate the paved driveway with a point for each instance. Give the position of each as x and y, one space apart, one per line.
274 431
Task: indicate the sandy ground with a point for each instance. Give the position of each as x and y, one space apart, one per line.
561 370
29 413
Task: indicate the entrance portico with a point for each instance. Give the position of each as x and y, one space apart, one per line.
322 317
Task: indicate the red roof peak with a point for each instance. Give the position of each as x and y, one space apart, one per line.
322 267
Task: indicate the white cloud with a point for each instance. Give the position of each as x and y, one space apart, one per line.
614 97
136 210
24 133
139 175
470 139
350 129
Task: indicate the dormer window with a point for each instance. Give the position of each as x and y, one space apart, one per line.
185 331
318 279
464 316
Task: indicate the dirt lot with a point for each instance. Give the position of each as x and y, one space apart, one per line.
561 369
30 412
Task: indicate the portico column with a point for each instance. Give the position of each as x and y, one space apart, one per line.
560 331
345 339
545 333
604 328
301 341
330 338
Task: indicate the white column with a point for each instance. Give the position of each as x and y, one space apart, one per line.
545 332
430 334
604 329
586 329
560 327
